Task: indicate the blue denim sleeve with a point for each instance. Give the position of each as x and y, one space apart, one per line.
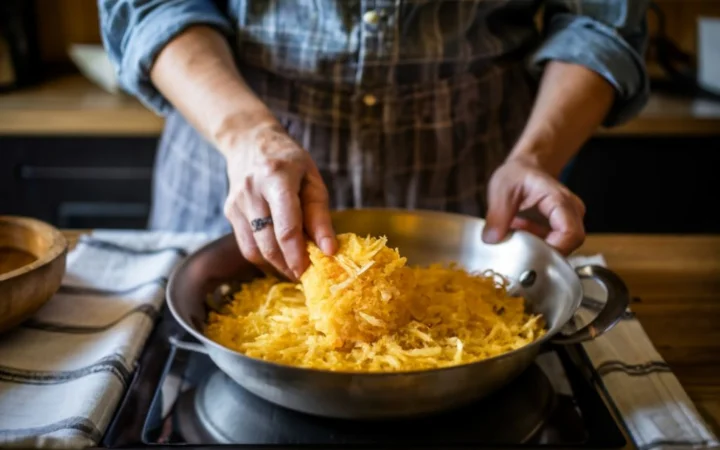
607 37
135 31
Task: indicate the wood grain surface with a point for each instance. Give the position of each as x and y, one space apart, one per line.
72 105
675 285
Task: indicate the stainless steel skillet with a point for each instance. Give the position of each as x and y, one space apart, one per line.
551 285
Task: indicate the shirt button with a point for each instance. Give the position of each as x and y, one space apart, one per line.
370 100
371 18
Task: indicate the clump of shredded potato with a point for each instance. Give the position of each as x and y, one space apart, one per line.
365 310
359 294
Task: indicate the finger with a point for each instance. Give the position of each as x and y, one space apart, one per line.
579 205
287 217
539 230
532 214
258 209
316 213
245 239
503 203
568 231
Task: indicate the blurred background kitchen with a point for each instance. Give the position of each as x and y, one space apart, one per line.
78 153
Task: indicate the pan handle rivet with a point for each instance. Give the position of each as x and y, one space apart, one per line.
528 278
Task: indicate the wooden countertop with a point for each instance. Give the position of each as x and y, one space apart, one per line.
675 285
72 105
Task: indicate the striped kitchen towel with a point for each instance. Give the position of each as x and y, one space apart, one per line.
656 410
63 373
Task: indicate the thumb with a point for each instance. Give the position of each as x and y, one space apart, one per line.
504 199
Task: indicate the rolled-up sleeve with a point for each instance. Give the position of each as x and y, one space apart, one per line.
135 31
607 37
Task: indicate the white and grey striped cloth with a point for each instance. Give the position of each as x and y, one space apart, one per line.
657 411
63 373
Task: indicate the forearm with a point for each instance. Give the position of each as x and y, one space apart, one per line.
572 102
197 74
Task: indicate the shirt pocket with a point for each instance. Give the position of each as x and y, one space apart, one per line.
305 37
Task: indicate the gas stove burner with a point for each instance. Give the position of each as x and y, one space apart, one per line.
559 402
219 411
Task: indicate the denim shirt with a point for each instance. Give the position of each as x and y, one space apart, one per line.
361 45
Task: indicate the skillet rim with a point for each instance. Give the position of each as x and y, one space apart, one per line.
207 342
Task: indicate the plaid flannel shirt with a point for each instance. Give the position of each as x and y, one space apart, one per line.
402 103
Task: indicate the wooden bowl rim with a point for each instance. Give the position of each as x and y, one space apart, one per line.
58 244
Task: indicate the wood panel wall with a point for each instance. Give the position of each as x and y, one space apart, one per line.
681 19
63 22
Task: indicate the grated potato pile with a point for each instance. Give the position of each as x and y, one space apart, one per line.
359 295
364 309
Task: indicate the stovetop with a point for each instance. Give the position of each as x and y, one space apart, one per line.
179 398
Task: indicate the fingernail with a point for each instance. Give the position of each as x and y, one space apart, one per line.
490 235
326 245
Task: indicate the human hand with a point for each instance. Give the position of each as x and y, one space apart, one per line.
521 195
276 194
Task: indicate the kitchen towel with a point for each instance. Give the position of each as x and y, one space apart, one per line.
63 373
656 410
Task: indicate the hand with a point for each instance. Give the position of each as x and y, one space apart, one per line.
519 190
270 175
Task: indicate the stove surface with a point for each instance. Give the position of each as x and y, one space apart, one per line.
220 411
557 402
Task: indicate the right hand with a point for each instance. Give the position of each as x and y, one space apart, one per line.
270 175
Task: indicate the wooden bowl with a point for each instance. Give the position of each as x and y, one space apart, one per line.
32 265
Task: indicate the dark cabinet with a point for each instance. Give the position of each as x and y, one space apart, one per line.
649 184
630 185
78 182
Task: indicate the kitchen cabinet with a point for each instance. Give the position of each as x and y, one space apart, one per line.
77 156
649 184
73 182
630 184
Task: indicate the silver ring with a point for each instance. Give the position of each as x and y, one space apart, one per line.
260 224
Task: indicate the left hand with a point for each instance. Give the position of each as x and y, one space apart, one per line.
519 190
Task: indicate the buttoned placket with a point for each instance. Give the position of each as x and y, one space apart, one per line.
376 43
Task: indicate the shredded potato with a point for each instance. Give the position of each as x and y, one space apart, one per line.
364 310
361 293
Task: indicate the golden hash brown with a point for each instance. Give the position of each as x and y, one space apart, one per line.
359 294
365 310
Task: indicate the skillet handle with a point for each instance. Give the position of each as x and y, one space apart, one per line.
187 346
618 299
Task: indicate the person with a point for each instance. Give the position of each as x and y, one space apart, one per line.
278 111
